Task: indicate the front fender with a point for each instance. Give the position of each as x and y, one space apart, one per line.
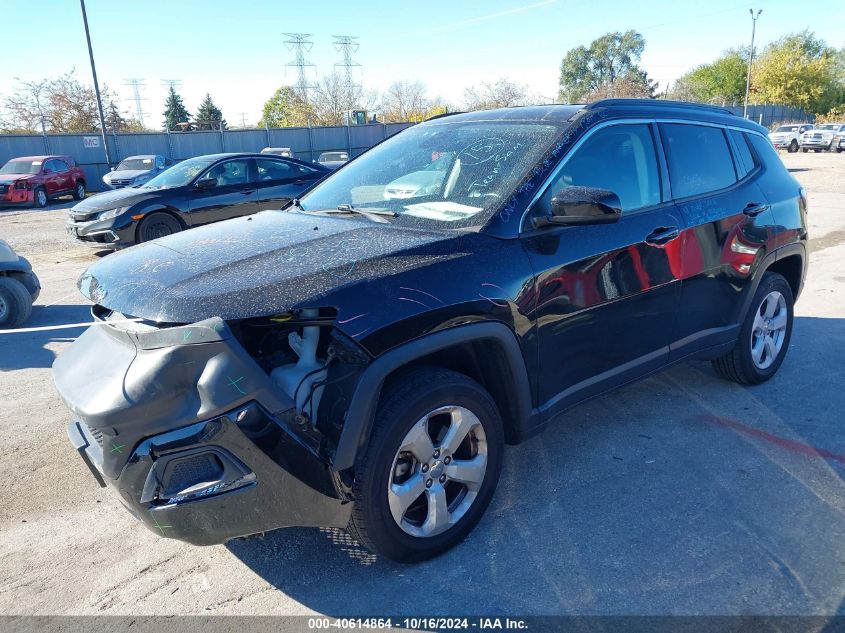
361 411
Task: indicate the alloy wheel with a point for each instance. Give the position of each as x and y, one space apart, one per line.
437 471
769 330
3 309
41 198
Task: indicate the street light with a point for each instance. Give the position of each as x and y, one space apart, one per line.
750 59
96 85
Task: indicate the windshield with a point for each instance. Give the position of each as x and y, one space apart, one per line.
439 175
181 174
787 128
21 167
827 127
132 164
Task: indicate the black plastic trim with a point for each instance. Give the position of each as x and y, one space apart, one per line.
359 416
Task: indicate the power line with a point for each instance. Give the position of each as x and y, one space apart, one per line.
136 85
243 118
171 83
300 44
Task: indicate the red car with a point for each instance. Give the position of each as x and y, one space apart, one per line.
33 180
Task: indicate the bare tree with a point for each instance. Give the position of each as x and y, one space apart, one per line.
332 97
59 104
501 94
405 101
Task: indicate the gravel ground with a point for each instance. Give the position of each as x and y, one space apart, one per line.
681 494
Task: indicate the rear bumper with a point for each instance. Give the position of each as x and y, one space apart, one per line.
192 435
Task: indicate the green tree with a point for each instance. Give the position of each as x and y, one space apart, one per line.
209 116
608 67
799 70
721 81
285 109
175 111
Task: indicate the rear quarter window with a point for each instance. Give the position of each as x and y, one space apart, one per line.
699 159
745 163
766 154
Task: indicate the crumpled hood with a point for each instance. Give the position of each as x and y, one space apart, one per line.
255 266
7 179
113 199
126 174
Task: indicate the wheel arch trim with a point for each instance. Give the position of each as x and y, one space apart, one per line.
362 408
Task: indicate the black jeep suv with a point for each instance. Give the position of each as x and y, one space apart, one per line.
359 359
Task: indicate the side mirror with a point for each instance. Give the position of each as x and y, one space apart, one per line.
206 183
112 168
582 205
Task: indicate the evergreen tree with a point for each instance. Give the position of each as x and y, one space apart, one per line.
209 116
174 111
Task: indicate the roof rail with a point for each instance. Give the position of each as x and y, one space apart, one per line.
656 103
442 114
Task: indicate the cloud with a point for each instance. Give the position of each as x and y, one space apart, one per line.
491 16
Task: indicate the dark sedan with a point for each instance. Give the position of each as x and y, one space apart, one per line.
194 192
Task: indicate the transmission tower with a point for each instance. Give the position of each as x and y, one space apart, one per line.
300 43
346 45
171 83
136 85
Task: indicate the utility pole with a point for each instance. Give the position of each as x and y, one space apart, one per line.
136 85
96 85
750 59
300 43
243 119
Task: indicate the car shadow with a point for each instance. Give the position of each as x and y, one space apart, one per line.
633 503
26 349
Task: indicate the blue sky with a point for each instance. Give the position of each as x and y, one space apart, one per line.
235 49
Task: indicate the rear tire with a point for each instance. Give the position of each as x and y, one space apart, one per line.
157 225
39 198
15 303
804 149
764 336
430 468
793 147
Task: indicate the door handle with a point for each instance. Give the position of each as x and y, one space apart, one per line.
753 209
662 235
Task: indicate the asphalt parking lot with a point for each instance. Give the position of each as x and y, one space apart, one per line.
682 494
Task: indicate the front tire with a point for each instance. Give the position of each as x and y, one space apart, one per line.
431 465
39 198
764 336
793 147
15 303
805 150
157 225
79 191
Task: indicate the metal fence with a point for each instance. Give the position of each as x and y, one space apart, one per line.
86 149
768 115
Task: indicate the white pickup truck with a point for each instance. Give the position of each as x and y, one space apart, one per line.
788 136
821 138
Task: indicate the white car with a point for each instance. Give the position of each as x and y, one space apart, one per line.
788 136
135 170
821 137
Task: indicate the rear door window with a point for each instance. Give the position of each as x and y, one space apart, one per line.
699 159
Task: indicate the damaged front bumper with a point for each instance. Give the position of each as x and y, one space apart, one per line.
192 434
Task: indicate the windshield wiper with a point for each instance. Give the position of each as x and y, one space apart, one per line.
376 214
